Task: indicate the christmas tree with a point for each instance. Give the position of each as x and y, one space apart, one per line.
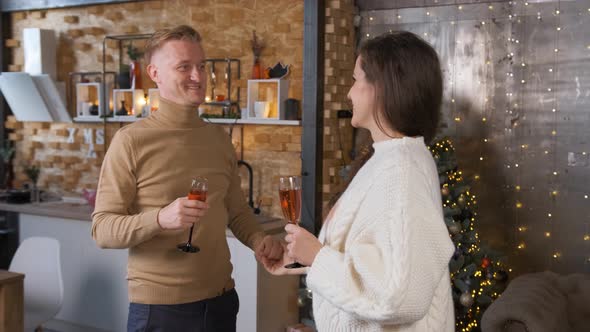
478 275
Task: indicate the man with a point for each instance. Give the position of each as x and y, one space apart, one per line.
141 201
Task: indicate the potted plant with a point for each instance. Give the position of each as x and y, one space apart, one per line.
6 153
257 47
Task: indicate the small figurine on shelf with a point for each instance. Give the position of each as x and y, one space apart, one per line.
257 47
122 110
145 109
93 110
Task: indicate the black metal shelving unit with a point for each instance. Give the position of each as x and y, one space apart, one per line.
121 39
228 102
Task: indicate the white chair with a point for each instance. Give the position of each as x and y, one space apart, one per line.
38 259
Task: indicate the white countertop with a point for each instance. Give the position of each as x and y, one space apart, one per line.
83 212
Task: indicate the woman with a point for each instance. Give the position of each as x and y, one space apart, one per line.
381 260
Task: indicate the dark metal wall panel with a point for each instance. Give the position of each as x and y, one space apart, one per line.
4 56
313 92
503 81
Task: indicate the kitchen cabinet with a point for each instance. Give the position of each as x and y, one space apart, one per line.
95 285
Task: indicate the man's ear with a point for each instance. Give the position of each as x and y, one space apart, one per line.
152 71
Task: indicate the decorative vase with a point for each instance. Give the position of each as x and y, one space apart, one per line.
135 74
123 80
256 69
35 194
93 110
123 109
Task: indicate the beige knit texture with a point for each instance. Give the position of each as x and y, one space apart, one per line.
149 164
384 266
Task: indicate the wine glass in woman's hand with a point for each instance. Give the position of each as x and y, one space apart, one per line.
290 197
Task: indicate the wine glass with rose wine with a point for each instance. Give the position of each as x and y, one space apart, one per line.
198 192
290 198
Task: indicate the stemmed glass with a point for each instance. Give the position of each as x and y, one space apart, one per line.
198 192
290 198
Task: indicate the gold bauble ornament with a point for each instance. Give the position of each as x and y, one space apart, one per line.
455 228
461 200
300 302
466 300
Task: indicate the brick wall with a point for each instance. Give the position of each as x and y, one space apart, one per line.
339 65
67 162
226 27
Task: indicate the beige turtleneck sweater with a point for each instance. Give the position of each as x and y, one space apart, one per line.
148 165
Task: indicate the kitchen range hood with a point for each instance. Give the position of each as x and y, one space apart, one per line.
33 94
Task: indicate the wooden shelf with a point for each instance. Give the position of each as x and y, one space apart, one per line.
254 121
91 118
274 122
124 118
129 118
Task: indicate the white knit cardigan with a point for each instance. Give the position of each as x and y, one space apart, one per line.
384 263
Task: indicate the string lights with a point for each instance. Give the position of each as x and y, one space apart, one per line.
556 255
520 108
551 226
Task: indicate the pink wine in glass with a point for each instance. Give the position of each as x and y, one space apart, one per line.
290 198
197 192
291 204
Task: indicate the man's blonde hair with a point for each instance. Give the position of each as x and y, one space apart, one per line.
160 37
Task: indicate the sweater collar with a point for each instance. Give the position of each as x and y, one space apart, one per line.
178 115
394 143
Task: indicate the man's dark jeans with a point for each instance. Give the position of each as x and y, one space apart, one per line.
216 314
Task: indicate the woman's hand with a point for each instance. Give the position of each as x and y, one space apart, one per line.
302 246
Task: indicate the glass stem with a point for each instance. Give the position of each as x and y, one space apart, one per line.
190 235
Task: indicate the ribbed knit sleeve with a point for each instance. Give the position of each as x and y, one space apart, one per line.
112 224
369 278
